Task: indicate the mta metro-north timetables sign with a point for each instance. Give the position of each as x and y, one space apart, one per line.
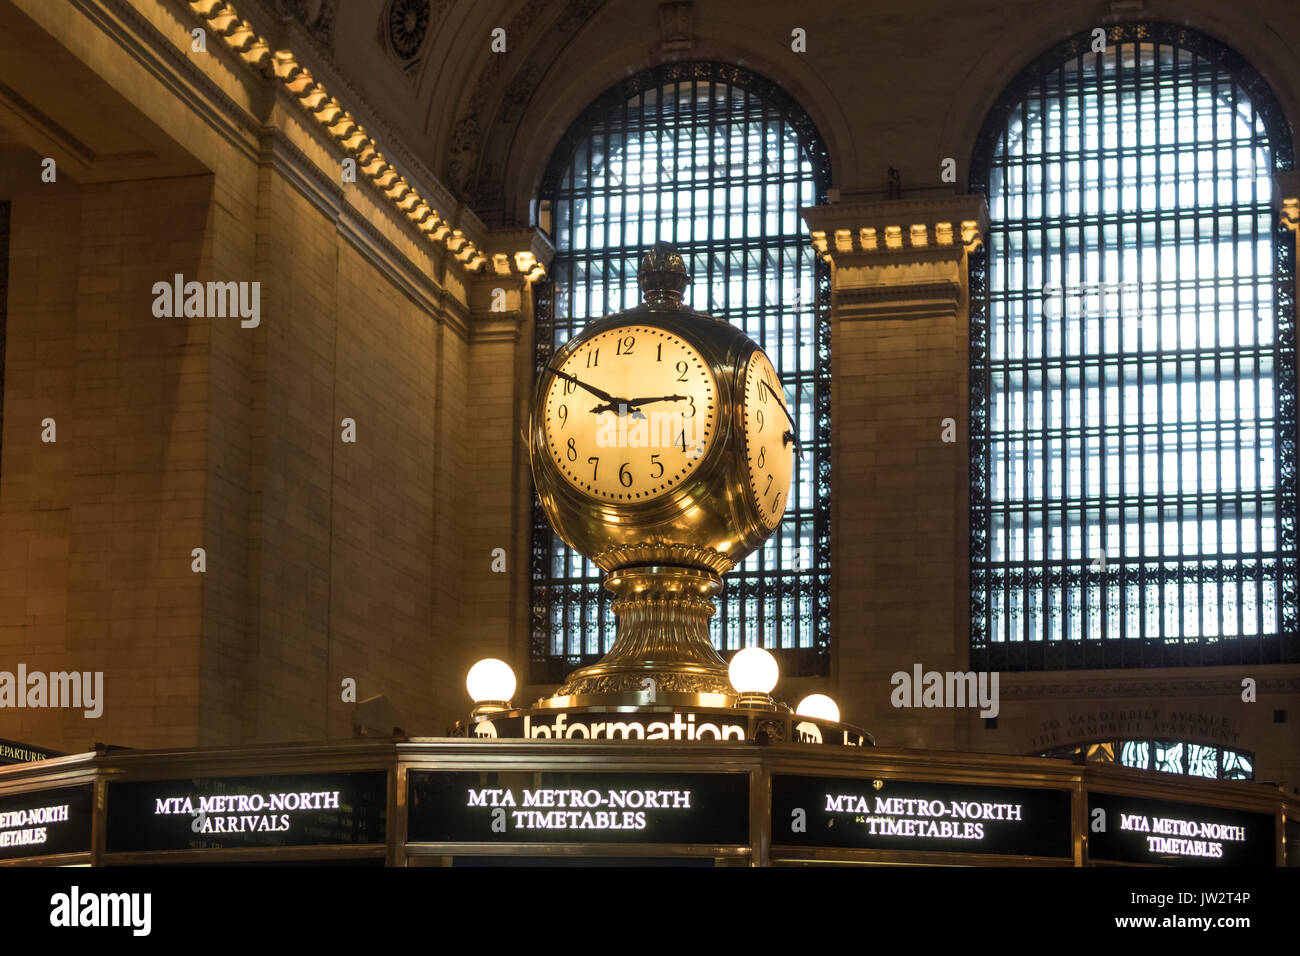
1126 829
46 822
883 814
466 806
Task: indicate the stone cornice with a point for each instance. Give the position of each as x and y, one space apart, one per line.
1039 687
324 193
170 66
338 124
524 252
924 229
496 327
191 84
905 300
291 34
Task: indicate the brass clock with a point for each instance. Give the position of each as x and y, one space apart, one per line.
662 448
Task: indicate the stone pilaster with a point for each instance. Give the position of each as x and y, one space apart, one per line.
899 406
498 391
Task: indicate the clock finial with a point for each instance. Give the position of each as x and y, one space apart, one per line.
662 275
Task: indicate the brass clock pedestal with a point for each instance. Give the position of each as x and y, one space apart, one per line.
662 652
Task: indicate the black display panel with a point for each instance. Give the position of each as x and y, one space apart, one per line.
46 822
317 809
1126 829
467 806
903 815
581 862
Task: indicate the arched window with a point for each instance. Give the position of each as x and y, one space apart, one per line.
719 162
1133 385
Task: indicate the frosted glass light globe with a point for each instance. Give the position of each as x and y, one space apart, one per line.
819 706
490 680
753 671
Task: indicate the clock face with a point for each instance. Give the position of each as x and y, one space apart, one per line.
769 439
630 414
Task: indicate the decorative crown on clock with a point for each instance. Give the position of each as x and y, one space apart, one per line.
662 275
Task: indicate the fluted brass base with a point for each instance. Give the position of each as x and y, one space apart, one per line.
663 637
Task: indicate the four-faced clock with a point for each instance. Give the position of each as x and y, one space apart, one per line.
769 439
630 414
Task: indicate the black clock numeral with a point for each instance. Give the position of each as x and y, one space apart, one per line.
691 399
769 485
762 457
659 352
683 368
681 440
593 358
570 387
624 346
654 461
572 453
624 476
563 413
776 502
759 416
594 461
762 392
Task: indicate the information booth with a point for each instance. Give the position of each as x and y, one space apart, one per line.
483 802
661 751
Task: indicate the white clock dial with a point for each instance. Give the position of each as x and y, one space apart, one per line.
769 439
630 414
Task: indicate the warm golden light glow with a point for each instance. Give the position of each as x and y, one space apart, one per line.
753 671
490 681
819 706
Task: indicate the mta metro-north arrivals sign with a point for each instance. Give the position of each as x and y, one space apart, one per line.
875 814
319 809
465 806
1126 829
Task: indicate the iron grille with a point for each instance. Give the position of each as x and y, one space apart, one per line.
719 162
1133 422
1167 756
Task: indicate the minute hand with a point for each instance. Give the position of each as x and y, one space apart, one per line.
581 384
780 401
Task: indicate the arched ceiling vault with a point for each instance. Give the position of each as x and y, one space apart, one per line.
564 54
537 32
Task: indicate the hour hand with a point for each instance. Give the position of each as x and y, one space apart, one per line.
617 404
632 405
636 402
